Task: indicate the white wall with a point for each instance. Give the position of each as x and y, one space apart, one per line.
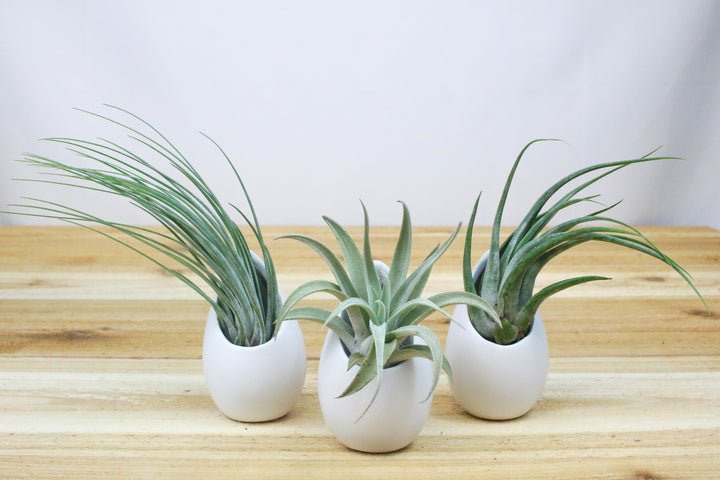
322 103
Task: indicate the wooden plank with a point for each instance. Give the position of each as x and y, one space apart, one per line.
143 416
576 326
72 291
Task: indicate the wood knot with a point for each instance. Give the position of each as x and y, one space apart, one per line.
67 335
654 278
75 334
646 475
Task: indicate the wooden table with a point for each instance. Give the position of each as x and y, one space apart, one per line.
101 377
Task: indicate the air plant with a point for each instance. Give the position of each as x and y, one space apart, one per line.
380 309
507 278
198 232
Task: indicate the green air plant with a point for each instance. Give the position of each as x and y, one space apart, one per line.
508 278
198 232
379 313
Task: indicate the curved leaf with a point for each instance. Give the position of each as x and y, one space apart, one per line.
492 273
527 312
322 316
309 288
413 286
433 344
336 267
423 351
422 307
353 259
401 257
471 300
353 302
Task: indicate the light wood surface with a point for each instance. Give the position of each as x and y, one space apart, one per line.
101 377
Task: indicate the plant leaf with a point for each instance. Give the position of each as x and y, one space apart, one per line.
528 310
355 358
468 281
323 317
201 235
401 257
492 274
413 286
309 288
364 375
423 351
353 302
352 256
338 271
371 280
433 344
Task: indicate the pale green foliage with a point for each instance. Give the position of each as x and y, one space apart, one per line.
199 234
378 310
508 278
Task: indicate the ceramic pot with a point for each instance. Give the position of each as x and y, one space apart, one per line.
496 382
396 416
254 384
491 381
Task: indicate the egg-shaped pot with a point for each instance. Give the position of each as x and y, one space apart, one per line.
396 416
259 383
491 381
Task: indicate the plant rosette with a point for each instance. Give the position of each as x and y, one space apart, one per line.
254 367
258 383
396 415
500 361
379 366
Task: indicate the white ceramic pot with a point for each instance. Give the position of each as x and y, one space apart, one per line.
491 381
254 384
496 382
396 416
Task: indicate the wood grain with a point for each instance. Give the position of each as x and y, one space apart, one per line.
101 377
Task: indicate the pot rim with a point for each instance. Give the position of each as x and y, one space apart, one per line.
212 317
479 267
465 324
260 267
356 367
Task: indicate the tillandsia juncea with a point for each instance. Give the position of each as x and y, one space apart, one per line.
198 232
379 310
507 278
